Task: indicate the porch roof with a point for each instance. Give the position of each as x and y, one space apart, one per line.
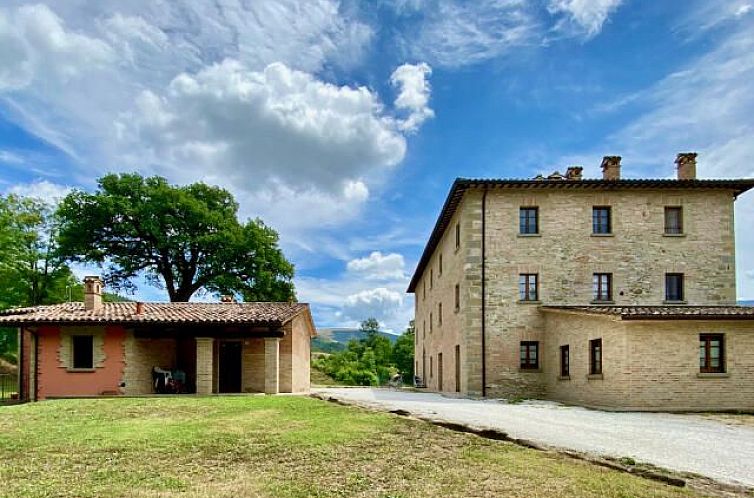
663 312
268 314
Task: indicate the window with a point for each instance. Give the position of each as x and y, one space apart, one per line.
565 359
601 220
424 289
439 313
424 328
458 297
431 277
674 286
529 355
528 290
431 369
528 220
83 351
602 287
430 323
458 235
673 220
439 264
711 353
595 357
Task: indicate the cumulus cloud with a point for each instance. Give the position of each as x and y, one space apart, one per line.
377 266
582 16
50 193
380 303
251 127
413 96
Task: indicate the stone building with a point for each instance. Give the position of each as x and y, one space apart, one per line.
95 348
612 293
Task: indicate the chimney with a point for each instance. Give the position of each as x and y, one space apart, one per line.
228 298
139 308
92 293
686 165
574 173
611 168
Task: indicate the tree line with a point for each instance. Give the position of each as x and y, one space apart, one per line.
373 360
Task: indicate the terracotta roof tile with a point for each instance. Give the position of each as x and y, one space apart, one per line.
265 313
664 312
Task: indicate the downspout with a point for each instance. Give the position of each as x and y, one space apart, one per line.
484 297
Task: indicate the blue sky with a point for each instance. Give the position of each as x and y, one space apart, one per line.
343 124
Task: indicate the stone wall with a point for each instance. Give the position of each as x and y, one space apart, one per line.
141 355
300 354
253 365
565 255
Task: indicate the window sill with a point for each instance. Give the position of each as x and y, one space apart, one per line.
81 370
530 370
712 375
594 377
528 235
675 302
564 377
529 302
603 235
671 235
601 301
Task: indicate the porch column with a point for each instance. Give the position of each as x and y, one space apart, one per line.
204 346
271 365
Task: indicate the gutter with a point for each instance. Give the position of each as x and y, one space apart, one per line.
484 296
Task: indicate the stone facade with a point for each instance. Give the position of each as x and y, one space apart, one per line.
565 254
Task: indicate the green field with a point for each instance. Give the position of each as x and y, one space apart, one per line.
273 446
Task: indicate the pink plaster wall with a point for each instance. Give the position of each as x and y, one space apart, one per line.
56 380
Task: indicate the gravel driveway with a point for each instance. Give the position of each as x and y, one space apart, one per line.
678 442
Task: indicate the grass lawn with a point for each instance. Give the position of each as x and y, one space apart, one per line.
273 446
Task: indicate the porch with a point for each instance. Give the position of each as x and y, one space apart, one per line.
209 362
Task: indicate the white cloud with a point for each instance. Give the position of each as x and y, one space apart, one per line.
706 16
456 33
9 157
377 266
49 192
582 16
413 96
380 303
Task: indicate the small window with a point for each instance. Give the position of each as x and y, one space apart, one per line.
673 220
602 287
565 361
528 220
83 351
439 264
424 328
439 313
711 353
674 286
431 277
601 223
458 235
528 289
529 355
595 356
424 289
431 368
458 297
430 323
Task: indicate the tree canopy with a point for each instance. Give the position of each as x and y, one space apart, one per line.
183 238
372 360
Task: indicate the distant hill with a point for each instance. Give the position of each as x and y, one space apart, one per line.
331 340
746 303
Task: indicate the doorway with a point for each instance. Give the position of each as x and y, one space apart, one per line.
229 374
439 371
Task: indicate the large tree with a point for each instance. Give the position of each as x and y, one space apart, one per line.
184 238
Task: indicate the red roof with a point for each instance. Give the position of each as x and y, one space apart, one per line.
663 312
264 313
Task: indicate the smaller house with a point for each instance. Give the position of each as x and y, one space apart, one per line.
132 348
